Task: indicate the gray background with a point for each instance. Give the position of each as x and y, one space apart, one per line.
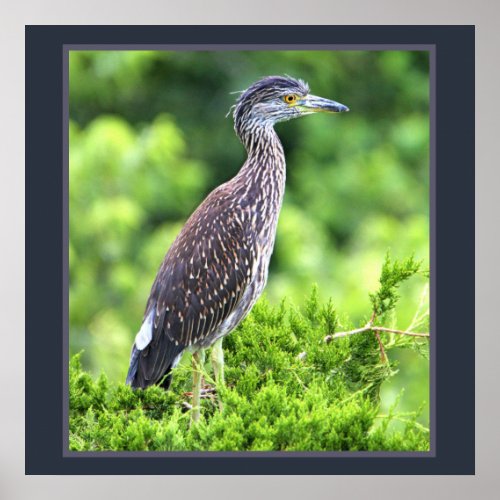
483 13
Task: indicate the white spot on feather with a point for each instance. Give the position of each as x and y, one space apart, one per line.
145 334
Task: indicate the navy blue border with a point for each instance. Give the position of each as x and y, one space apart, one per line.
452 270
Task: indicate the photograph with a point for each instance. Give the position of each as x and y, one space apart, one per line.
249 250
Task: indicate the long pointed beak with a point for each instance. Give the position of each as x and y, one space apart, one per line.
315 104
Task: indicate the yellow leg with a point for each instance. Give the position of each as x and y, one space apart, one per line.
198 362
217 357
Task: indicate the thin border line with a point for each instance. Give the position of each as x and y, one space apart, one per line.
433 247
431 49
65 249
210 47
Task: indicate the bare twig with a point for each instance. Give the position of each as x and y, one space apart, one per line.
369 328
383 355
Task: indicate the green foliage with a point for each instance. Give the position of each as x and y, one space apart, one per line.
149 139
393 274
287 389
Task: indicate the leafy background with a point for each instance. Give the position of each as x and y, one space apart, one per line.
149 139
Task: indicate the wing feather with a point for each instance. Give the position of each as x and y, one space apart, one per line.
199 285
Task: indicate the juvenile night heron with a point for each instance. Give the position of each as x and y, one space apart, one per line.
217 267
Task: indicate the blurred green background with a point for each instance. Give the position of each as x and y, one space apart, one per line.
149 139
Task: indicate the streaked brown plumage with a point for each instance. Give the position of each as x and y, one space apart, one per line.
217 267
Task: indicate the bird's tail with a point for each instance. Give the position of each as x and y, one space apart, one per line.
143 371
134 363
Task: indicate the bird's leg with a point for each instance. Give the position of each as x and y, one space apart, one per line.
217 357
198 362
218 361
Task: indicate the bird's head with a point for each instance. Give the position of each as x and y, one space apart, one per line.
278 98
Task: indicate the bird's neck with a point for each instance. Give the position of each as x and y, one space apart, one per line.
261 180
265 168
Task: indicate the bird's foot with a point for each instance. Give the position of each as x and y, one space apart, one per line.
205 393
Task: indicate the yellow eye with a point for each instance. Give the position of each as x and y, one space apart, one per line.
290 98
